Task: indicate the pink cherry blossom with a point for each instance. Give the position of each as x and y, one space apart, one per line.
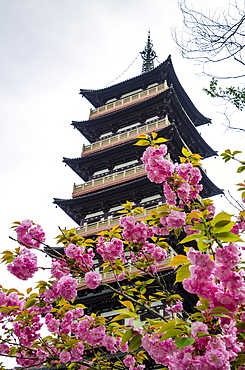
29 234
24 265
93 279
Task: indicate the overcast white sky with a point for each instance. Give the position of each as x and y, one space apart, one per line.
49 50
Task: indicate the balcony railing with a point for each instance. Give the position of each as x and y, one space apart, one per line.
105 181
109 277
96 227
121 103
125 136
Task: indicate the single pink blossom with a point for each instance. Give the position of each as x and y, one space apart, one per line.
93 279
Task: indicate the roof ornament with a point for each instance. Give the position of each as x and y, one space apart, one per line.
148 55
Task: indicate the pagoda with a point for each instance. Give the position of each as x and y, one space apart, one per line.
110 165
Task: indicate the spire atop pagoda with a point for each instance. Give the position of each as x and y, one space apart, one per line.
148 55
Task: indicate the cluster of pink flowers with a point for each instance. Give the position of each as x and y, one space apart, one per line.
134 231
84 328
8 300
28 330
78 253
218 281
175 219
179 180
111 250
158 351
4 349
30 234
66 287
155 252
65 325
24 265
73 355
29 358
212 344
59 268
208 352
158 168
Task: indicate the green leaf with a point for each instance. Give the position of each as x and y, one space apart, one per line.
135 342
182 273
172 333
223 226
142 136
106 269
186 152
205 302
240 325
198 226
240 169
150 281
164 325
220 217
190 238
154 135
180 259
220 315
220 310
30 302
196 315
183 342
128 304
123 316
228 237
160 140
127 335
13 351
203 244
142 142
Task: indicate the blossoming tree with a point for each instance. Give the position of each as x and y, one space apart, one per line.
210 266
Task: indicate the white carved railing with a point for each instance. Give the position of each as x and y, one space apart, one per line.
102 225
117 104
111 179
125 136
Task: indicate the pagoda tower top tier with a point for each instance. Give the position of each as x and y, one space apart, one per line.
164 72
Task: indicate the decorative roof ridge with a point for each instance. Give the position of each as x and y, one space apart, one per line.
129 79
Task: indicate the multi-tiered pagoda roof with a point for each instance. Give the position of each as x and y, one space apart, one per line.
152 101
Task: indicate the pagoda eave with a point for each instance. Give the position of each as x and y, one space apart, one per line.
178 138
165 71
165 103
108 197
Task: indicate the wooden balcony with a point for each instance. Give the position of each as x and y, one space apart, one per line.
96 227
109 277
129 100
156 125
109 180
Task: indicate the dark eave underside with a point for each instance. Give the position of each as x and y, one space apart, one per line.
108 197
178 137
118 194
164 71
166 102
